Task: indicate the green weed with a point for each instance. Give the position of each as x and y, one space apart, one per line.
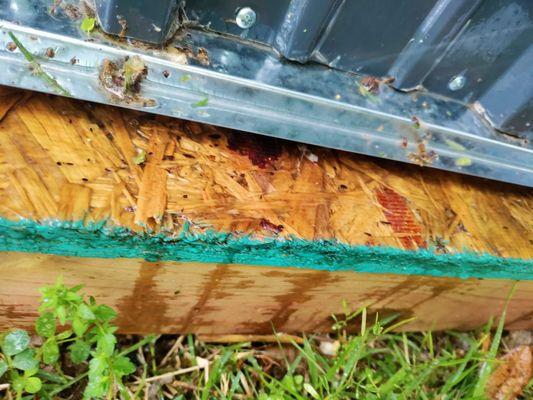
78 325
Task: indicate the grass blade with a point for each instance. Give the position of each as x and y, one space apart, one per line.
37 69
486 367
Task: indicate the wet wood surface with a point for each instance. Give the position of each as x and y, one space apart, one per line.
70 160
219 299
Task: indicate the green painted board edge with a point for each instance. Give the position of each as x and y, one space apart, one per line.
102 240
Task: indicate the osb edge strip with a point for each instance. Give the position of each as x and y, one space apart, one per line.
101 240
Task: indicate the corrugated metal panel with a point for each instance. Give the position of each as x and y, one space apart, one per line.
487 44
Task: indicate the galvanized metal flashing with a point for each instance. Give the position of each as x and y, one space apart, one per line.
246 85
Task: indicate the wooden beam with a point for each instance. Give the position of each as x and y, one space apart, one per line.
220 299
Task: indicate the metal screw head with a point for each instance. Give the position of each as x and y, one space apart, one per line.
245 18
457 83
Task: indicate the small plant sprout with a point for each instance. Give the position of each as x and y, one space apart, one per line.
201 103
88 24
68 321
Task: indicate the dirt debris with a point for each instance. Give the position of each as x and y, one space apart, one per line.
371 83
520 338
111 77
71 11
123 25
422 156
122 79
202 56
50 52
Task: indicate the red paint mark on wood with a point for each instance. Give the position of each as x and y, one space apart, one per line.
401 218
261 150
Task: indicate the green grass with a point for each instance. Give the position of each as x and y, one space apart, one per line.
367 359
373 364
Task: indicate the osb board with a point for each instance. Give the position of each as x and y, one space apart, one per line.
218 299
70 160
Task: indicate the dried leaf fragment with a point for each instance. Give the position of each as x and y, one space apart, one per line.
512 375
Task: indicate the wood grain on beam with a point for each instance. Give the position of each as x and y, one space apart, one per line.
217 299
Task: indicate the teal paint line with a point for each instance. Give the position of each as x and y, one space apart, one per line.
101 240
